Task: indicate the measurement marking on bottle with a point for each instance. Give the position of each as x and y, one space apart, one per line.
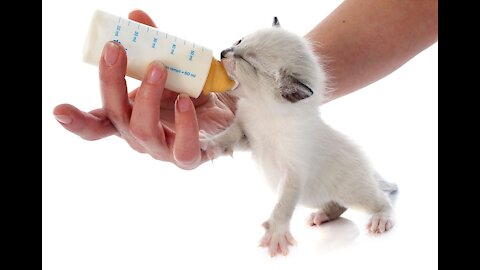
191 55
180 71
154 43
135 36
117 30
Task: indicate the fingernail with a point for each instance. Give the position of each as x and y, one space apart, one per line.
64 119
156 72
111 53
183 103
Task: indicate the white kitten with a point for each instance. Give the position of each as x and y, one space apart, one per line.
280 85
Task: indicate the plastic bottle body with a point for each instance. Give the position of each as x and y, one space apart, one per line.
188 64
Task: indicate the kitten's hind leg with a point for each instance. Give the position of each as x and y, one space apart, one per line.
330 211
381 220
380 223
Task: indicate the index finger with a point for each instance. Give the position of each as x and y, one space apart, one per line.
112 67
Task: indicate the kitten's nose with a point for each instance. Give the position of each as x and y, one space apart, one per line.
223 54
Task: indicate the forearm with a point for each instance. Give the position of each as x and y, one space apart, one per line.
362 41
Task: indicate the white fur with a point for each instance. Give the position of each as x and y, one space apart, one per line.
303 158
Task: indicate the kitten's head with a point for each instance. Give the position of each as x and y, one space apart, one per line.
274 62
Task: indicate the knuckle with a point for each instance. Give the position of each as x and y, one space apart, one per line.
105 76
141 133
110 76
89 137
117 116
136 147
159 156
88 134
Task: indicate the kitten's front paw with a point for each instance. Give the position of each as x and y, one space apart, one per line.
380 223
211 147
276 239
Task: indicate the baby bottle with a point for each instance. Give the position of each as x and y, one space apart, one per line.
191 68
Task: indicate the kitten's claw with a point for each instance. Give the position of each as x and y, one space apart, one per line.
317 218
380 223
277 241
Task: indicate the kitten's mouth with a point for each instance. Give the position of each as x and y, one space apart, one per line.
229 64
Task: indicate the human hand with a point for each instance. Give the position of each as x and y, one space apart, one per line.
150 119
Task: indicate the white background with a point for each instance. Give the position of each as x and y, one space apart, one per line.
107 207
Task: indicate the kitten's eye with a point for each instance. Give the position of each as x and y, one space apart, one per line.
238 42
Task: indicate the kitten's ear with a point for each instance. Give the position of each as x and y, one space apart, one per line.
276 22
293 89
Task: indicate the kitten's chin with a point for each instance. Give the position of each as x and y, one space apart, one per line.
237 84
238 90
233 78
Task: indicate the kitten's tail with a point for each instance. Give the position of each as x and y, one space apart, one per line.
386 186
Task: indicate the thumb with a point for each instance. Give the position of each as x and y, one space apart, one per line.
90 126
